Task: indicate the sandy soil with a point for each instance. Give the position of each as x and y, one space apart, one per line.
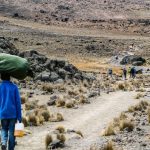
90 119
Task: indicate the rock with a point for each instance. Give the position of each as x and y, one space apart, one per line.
78 76
55 144
44 76
62 73
52 100
42 11
59 81
54 76
131 59
92 94
7 47
137 63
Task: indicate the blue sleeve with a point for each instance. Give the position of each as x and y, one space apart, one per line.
18 105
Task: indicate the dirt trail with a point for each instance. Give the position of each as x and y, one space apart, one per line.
90 119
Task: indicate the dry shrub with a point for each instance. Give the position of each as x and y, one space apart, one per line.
131 109
79 133
33 120
60 117
121 86
48 140
82 99
44 107
45 114
69 105
141 90
48 87
60 103
126 124
139 95
109 130
31 105
123 116
61 129
23 99
73 92
109 146
24 121
61 137
40 119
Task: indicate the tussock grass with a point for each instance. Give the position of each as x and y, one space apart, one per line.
25 121
45 114
48 87
31 105
61 129
60 117
126 124
69 104
33 120
139 95
48 140
23 99
60 103
109 146
79 133
109 130
61 137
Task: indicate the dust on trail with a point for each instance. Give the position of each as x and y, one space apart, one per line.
90 119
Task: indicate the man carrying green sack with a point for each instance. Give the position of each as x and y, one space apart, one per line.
10 111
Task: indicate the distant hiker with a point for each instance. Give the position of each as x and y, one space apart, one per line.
110 72
133 72
10 111
125 73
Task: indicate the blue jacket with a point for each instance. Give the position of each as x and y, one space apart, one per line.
10 103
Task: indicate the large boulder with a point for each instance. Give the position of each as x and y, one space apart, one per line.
133 59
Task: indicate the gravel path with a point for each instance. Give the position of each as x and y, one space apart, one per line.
90 119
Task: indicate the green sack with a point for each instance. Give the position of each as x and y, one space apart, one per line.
16 66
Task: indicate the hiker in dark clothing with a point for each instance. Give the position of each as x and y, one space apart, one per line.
110 72
125 73
133 72
10 111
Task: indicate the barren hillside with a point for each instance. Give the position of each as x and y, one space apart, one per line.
121 15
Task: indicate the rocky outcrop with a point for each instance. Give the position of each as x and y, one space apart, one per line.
133 59
44 68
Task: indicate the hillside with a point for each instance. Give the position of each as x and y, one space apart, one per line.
114 15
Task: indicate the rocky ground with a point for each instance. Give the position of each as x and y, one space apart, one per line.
112 15
70 45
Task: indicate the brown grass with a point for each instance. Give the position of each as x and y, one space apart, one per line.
48 87
48 140
109 130
109 146
23 99
79 133
33 120
45 114
61 129
60 103
24 121
61 137
60 117
69 105
126 124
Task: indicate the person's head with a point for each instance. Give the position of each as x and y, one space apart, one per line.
5 76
